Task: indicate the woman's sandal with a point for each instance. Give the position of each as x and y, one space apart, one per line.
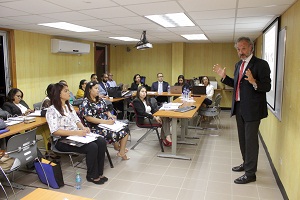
126 150
124 157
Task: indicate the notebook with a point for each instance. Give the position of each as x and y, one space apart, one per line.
176 89
199 90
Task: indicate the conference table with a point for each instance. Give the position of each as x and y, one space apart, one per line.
184 117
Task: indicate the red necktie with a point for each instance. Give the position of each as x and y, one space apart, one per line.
239 79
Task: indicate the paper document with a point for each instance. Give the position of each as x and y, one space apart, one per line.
90 137
10 123
116 127
170 106
36 113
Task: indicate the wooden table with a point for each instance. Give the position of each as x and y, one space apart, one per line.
184 124
17 128
51 195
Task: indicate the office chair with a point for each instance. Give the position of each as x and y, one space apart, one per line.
9 184
150 126
22 147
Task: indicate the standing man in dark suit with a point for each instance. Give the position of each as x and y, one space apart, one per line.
251 82
160 86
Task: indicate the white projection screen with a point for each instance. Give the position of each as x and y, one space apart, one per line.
270 39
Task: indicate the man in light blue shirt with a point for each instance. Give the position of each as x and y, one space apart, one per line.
103 85
110 81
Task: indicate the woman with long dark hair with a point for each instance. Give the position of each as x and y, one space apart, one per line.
80 92
136 82
145 109
94 111
63 121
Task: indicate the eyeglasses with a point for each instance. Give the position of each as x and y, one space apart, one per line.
105 76
160 76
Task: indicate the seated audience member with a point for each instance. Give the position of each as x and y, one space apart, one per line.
63 121
110 81
103 85
15 104
181 82
80 92
72 97
209 90
94 111
46 103
94 77
136 82
145 109
160 86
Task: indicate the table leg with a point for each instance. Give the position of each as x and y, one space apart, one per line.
174 144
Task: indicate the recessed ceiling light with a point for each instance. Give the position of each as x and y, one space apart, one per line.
171 20
124 38
195 37
68 27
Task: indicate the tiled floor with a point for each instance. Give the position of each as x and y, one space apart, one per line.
146 177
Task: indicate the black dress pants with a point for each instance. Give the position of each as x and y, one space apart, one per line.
248 139
95 155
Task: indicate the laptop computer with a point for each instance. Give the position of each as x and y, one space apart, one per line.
199 90
176 89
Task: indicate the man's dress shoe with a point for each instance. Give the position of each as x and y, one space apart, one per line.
239 168
245 179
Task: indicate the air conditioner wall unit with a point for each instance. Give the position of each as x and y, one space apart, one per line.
64 46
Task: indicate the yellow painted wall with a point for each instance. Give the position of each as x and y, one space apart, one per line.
36 66
283 138
190 59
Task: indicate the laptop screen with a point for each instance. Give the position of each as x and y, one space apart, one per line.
199 90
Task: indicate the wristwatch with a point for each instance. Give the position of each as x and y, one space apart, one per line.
255 86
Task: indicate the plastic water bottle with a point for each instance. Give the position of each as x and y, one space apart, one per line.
78 181
187 94
169 89
184 94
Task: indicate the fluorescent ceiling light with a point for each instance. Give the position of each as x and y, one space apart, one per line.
68 27
124 38
171 20
195 37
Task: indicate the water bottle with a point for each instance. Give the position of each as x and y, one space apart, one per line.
78 181
71 101
187 94
169 89
184 94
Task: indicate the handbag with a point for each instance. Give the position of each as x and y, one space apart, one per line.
53 173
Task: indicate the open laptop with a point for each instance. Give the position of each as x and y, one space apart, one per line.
199 90
176 89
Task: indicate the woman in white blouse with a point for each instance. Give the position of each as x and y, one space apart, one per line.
63 121
209 90
15 104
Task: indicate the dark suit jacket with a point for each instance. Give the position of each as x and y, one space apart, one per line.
154 86
253 102
13 109
141 110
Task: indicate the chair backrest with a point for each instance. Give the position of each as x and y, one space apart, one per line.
37 106
23 146
218 100
150 125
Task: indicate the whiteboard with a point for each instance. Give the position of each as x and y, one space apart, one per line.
280 73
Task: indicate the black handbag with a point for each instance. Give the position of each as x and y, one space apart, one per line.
53 173
115 92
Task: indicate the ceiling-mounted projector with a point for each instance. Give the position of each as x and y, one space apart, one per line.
143 43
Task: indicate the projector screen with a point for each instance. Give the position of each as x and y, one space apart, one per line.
270 39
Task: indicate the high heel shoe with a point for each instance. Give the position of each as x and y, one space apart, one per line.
124 157
167 143
126 150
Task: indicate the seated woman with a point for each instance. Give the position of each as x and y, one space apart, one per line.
15 104
46 103
181 82
136 82
80 92
209 90
145 109
63 121
94 111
